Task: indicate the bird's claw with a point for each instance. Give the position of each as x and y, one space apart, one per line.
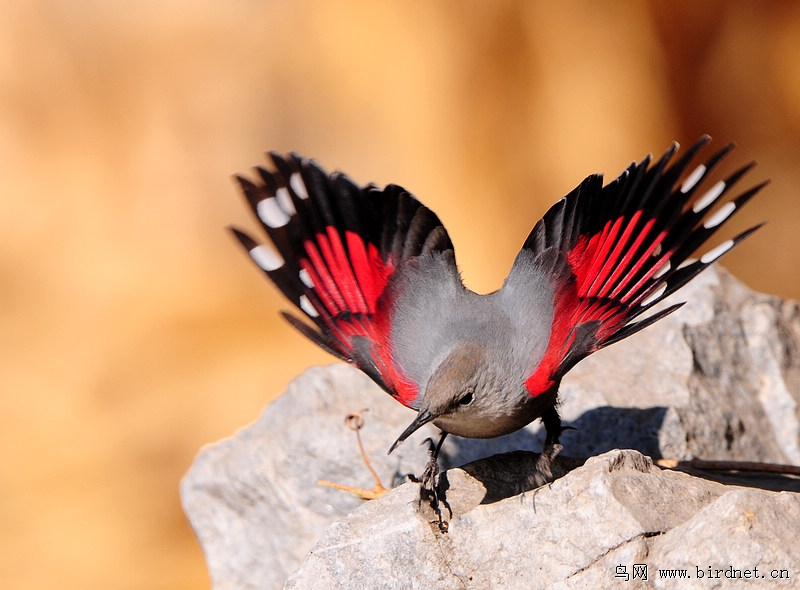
429 482
543 472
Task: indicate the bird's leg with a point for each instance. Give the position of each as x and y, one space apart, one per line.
429 480
552 447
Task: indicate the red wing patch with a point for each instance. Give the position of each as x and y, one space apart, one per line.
625 247
336 246
348 284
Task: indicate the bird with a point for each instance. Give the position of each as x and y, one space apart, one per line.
372 274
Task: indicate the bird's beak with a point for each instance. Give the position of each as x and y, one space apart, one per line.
422 418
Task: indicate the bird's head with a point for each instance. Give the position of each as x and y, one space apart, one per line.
461 396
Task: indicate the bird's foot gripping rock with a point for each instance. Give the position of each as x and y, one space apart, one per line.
430 484
543 472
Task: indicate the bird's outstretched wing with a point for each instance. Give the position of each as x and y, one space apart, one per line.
336 247
615 251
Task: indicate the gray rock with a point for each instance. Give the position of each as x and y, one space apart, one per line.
719 379
253 499
617 510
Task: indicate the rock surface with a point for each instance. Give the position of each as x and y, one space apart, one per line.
719 379
617 510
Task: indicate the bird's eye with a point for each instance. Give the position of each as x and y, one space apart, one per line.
466 399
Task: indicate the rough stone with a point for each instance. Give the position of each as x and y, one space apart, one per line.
617 510
253 499
719 379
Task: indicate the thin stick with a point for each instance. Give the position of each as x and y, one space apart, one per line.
730 466
355 422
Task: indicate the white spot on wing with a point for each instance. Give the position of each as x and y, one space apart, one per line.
285 200
721 215
654 295
306 306
298 186
707 199
270 212
266 257
306 278
712 255
662 271
685 263
693 178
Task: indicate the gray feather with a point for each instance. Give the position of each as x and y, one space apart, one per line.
434 314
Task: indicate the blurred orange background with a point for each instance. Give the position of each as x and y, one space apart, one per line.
135 330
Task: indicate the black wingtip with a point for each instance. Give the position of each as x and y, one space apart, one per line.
670 151
243 182
763 183
696 147
298 159
275 156
246 241
287 164
315 336
249 189
633 328
746 233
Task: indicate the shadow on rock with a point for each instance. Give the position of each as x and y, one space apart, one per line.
594 432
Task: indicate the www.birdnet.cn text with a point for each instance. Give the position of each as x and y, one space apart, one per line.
644 572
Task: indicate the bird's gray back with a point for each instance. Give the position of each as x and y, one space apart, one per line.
433 312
